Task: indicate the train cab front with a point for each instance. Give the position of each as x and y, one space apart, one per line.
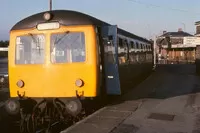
52 60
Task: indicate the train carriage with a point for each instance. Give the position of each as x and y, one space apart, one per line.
61 57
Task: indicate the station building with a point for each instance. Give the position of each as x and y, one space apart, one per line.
177 47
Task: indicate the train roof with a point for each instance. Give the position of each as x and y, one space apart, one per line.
62 16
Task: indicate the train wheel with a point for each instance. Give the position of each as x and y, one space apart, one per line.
12 107
23 128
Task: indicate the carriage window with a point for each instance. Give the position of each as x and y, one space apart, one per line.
147 47
68 47
120 43
30 49
150 48
142 46
137 45
132 44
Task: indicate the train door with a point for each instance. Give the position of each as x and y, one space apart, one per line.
109 38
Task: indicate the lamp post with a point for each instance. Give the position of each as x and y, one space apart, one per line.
184 26
50 5
154 52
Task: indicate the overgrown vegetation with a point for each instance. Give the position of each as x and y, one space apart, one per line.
4 43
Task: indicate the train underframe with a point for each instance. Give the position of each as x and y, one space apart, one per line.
44 113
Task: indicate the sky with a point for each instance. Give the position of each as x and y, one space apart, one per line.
146 18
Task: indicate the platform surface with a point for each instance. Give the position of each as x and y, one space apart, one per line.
168 101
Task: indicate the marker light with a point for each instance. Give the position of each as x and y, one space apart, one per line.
79 83
20 83
48 26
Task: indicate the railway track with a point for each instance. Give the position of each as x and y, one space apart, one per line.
8 126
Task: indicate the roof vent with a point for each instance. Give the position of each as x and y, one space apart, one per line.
180 30
164 31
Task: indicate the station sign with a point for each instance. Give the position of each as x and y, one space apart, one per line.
191 41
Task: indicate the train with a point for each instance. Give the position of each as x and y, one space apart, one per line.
60 58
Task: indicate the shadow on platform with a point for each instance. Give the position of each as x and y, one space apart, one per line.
167 81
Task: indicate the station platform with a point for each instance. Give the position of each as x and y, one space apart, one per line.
168 101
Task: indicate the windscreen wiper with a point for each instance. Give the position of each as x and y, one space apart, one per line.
56 41
35 41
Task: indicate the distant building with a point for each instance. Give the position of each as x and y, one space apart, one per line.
197 24
177 46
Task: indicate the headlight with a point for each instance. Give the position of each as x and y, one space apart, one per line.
20 83
47 16
2 79
79 82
